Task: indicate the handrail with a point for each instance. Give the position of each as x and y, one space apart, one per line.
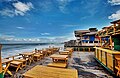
108 51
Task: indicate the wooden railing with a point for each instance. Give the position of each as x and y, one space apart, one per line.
111 30
83 49
108 58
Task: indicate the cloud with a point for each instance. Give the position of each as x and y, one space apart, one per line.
55 39
20 8
7 12
5 38
71 25
19 13
45 33
115 16
62 5
20 27
45 5
114 2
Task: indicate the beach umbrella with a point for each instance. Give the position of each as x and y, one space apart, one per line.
1 73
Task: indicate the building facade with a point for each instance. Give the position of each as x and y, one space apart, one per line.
86 37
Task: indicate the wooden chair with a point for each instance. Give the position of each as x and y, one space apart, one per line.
38 56
70 51
5 69
17 64
21 59
5 66
41 53
57 64
44 52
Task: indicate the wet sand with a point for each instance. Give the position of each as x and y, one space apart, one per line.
84 62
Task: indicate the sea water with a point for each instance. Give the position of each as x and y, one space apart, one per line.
14 49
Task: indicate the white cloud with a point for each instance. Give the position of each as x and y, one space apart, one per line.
22 8
62 5
54 39
45 5
114 2
45 33
20 27
17 12
6 38
7 12
71 25
19 9
115 16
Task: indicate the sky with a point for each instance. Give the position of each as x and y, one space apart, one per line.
53 20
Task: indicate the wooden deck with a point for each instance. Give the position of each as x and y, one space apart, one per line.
83 62
50 72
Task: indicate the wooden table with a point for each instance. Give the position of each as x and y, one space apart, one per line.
7 63
50 72
64 52
59 57
28 55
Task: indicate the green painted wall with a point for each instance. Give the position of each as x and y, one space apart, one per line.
1 75
116 43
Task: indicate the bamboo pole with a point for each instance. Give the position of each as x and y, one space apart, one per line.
0 60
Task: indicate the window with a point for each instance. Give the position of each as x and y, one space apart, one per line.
95 41
91 42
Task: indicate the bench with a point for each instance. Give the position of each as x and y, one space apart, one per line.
60 65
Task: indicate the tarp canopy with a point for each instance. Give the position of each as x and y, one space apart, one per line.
92 38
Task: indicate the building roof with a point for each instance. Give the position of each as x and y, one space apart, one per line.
91 33
82 31
117 21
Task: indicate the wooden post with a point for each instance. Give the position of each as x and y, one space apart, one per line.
106 31
0 60
114 28
111 42
100 42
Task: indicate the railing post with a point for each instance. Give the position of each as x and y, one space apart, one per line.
100 42
113 62
95 52
101 55
106 58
